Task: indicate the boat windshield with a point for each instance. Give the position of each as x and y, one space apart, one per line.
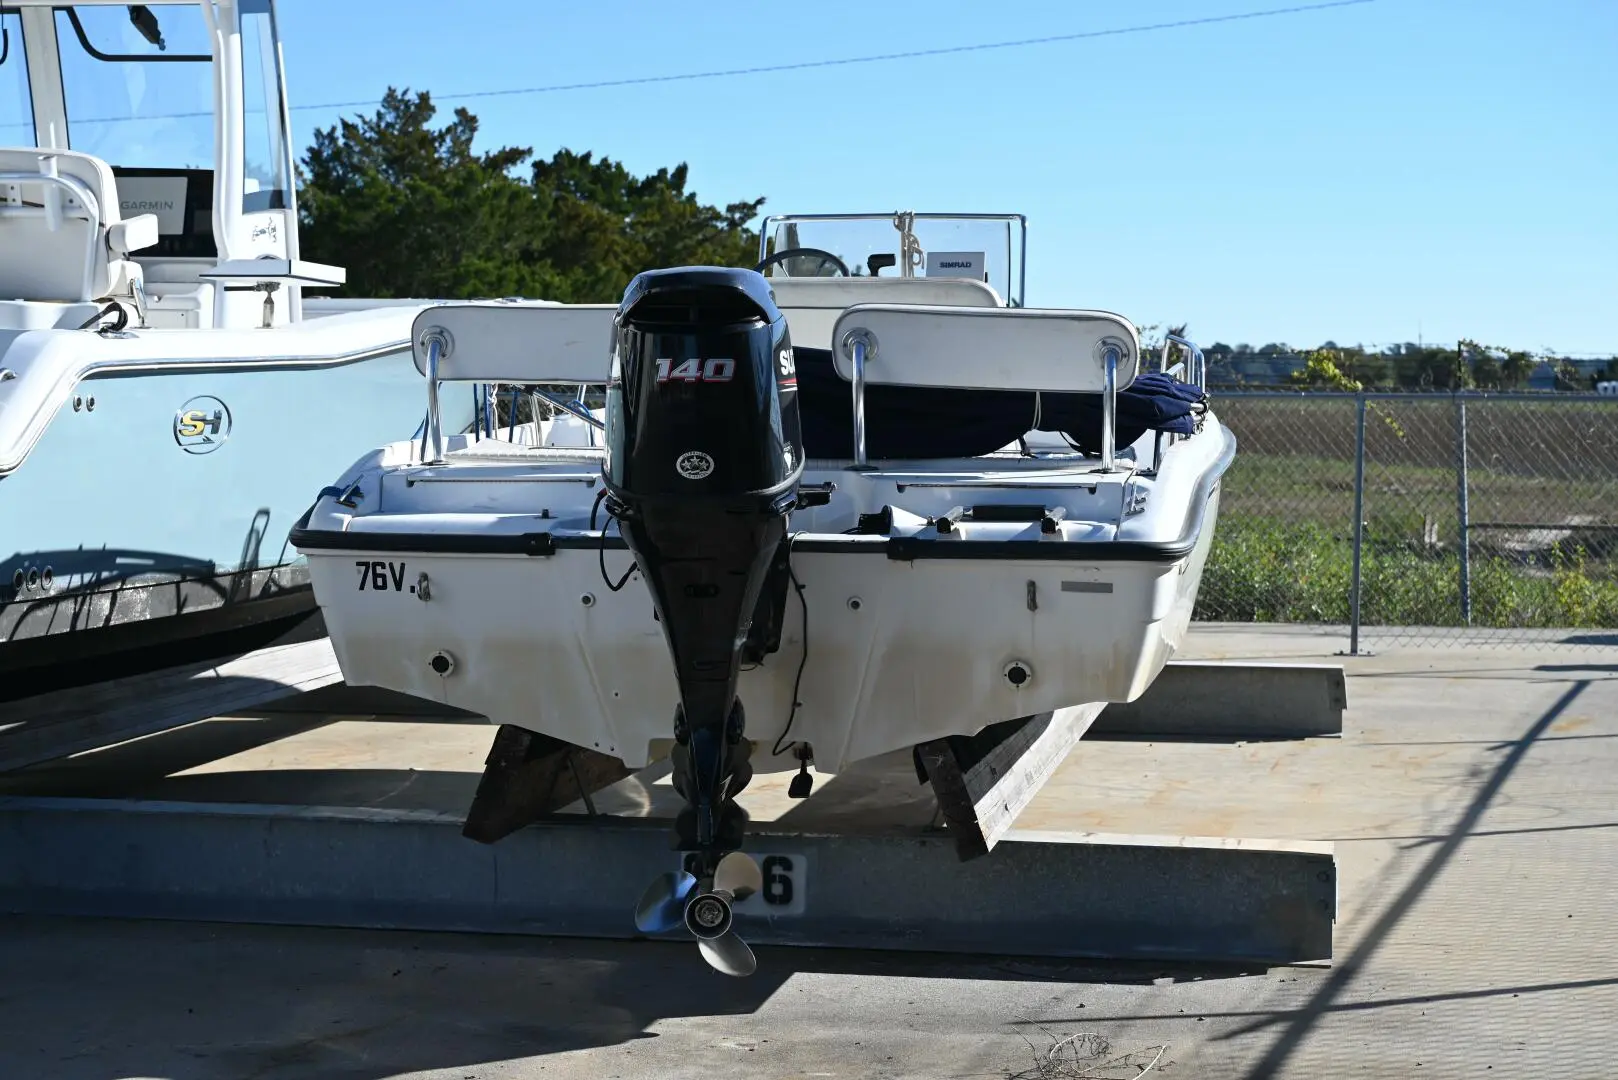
16 103
138 83
988 247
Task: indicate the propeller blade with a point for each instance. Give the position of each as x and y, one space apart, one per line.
662 905
728 954
739 875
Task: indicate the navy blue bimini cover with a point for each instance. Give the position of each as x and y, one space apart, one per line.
912 422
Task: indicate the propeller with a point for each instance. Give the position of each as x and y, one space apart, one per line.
739 875
674 899
735 879
662 905
728 955
710 918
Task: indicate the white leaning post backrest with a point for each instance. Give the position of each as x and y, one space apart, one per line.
1050 349
525 342
1038 349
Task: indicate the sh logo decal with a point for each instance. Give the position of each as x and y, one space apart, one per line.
202 425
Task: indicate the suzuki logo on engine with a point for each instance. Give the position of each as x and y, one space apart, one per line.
716 370
693 465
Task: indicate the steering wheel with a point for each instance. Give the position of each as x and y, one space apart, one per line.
799 252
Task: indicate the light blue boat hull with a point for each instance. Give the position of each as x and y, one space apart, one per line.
111 524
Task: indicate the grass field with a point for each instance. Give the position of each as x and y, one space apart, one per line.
1549 441
1283 550
1284 547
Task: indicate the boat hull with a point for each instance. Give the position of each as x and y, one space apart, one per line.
118 534
899 651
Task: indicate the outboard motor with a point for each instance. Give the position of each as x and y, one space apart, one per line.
702 468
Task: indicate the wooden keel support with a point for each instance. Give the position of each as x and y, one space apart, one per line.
983 781
527 776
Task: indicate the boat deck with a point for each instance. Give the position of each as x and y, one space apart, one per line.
1470 800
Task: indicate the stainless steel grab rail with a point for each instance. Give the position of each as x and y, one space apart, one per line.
859 344
1197 364
432 437
1110 355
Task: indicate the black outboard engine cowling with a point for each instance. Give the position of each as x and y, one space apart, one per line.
703 462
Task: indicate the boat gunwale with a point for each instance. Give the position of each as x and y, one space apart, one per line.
898 548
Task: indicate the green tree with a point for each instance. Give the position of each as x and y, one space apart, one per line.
414 211
1372 369
1515 369
609 225
1323 369
1486 373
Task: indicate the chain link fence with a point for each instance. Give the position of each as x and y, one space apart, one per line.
1483 518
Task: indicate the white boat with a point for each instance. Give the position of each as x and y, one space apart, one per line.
833 517
168 398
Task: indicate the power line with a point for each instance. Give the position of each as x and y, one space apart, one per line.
874 59
803 65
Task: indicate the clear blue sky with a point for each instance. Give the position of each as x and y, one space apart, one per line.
1367 173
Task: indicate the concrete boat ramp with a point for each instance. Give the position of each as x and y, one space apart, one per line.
1466 816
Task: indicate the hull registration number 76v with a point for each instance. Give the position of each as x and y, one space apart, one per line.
379 575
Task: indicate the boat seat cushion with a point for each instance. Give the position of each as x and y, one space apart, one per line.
812 305
925 422
839 293
86 257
